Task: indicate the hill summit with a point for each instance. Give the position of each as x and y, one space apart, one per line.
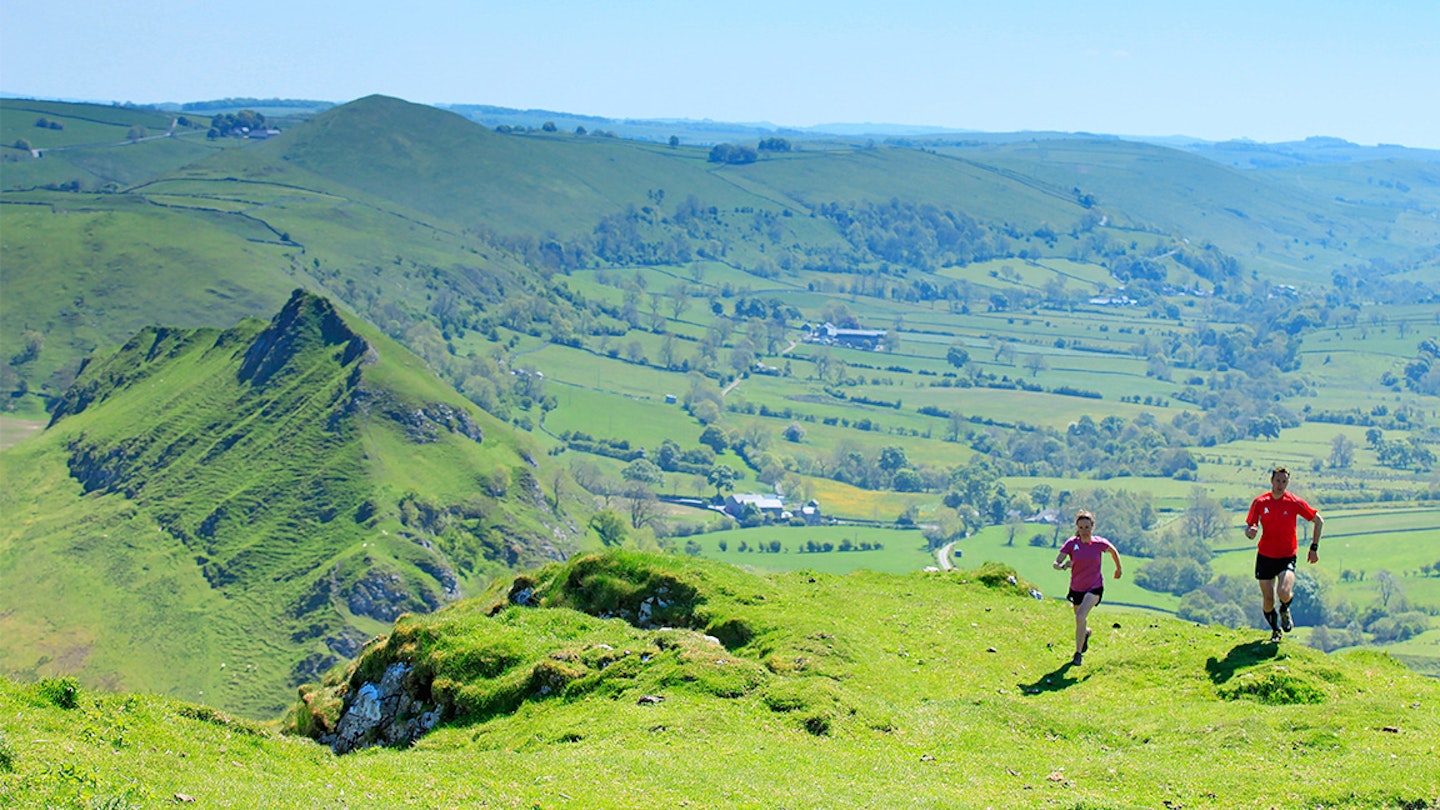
286 489
624 680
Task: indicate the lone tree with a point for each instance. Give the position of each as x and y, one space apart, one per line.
957 356
609 526
722 478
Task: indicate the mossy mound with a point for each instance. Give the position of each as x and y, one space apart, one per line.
616 624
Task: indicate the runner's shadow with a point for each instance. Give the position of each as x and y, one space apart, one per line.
1239 657
1052 682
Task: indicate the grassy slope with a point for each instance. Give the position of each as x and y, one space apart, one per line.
863 690
223 505
91 271
93 145
1390 183
459 172
1300 233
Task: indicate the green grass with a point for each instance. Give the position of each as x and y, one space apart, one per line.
850 691
902 551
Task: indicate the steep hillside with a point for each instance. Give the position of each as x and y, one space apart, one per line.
623 681
228 512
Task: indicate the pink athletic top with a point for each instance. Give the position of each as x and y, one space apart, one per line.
1085 573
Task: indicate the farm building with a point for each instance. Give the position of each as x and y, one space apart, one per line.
832 335
771 505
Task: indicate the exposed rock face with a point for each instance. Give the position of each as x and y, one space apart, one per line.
384 713
424 424
382 595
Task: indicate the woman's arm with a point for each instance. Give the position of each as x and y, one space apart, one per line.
1116 555
1060 558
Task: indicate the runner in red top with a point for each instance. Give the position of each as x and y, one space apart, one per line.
1274 513
1085 551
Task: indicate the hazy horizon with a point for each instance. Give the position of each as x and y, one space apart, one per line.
1274 72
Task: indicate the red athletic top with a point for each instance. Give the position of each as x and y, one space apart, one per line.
1276 517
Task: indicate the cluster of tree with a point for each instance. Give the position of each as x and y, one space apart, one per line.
1236 407
1377 281
619 239
611 448
1401 417
773 145
1109 448
1181 561
762 547
1409 453
645 236
1422 374
916 236
47 123
1211 263
235 124
812 547
671 458
733 154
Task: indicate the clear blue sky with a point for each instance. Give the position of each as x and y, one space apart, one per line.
1364 70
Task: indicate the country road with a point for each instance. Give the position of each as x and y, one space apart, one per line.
942 556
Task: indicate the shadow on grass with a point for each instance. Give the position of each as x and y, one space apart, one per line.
1051 682
1240 657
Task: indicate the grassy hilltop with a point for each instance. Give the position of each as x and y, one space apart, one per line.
222 514
811 690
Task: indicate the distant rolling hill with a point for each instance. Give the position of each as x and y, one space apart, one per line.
384 204
221 514
1299 233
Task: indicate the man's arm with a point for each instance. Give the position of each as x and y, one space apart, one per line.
1314 555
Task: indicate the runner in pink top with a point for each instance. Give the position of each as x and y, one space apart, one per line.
1087 582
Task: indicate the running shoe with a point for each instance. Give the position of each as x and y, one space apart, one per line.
1275 636
1077 660
1085 646
1285 623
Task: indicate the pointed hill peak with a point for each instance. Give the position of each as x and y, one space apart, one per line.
307 321
298 484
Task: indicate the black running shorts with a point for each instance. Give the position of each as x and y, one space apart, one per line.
1075 597
1272 567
